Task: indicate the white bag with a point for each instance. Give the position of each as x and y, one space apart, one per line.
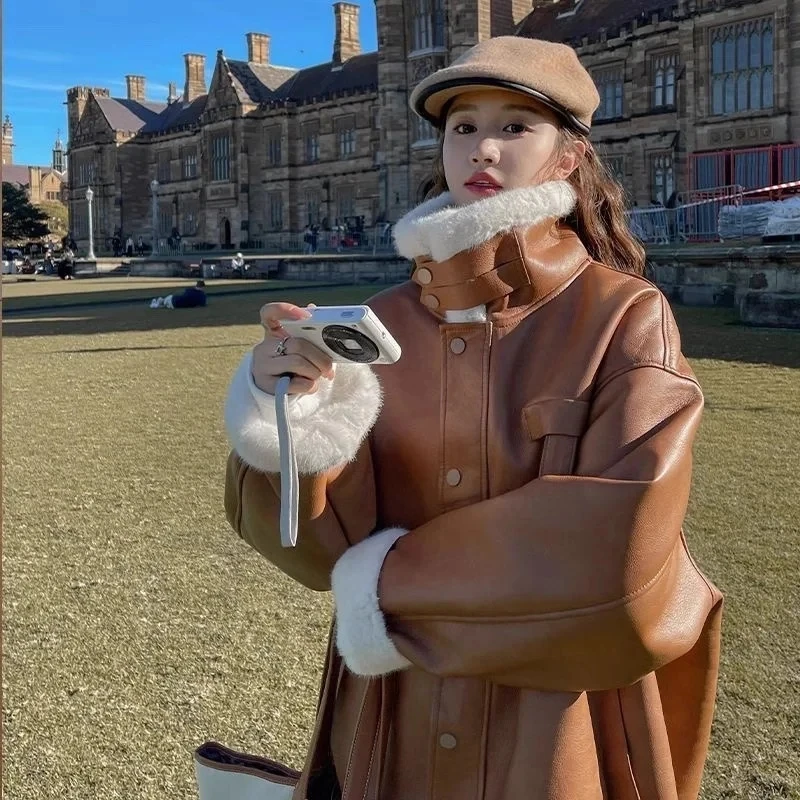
224 774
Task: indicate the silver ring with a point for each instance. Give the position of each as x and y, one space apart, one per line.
280 348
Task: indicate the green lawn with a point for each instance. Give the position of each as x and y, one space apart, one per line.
136 624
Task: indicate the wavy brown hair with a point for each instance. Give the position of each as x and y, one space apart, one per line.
599 216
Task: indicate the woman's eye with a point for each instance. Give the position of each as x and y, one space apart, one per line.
516 127
464 128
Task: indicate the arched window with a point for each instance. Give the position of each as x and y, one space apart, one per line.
741 66
428 24
663 68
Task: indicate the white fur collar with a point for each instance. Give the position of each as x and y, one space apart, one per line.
439 229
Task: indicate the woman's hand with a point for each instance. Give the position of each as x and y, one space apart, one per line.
280 353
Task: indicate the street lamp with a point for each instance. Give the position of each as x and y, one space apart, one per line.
89 196
154 190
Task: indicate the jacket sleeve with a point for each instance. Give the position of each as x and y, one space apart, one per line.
336 487
573 583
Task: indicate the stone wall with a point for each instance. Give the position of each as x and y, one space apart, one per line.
332 269
761 282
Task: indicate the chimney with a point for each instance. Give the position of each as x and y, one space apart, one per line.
258 48
347 43
172 94
35 184
195 76
135 87
508 14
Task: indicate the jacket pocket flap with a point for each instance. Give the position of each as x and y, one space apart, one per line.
556 415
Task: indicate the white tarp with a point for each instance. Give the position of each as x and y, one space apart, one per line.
780 217
784 218
738 222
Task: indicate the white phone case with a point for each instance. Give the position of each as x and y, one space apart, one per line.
348 334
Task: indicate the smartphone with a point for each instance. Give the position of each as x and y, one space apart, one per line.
348 334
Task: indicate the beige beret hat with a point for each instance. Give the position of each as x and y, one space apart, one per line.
546 71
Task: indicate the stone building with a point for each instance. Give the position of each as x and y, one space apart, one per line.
695 95
39 182
261 150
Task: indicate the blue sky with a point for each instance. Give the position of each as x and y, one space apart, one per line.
49 46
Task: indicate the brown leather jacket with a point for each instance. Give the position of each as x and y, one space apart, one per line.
532 626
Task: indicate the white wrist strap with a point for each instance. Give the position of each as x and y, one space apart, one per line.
289 480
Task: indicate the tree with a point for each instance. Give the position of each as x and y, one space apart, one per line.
57 217
21 219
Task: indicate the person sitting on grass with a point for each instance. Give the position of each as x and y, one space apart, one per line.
189 298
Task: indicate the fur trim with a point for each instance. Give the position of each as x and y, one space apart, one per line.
361 634
328 426
476 314
439 229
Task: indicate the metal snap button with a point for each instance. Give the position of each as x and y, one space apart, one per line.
448 741
424 276
458 346
453 477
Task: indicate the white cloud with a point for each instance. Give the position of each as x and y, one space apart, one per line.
37 56
33 86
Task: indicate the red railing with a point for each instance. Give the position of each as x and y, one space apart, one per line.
751 168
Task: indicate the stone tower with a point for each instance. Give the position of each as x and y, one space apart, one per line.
8 141
77 97
59 162
415 38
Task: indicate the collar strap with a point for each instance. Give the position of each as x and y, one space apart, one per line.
488 272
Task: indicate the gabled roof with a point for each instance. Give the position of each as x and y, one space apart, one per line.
588 18
176 115
20 174
15 173
263 83
128 115
255 83
357 74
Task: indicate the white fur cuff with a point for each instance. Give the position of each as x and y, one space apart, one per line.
328 427
361 635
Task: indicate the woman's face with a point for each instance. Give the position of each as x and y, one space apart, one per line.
496 140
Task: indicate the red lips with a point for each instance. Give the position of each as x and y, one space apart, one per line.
483 180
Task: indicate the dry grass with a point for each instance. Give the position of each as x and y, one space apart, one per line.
136 624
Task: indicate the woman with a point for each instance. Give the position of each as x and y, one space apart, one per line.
517 615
